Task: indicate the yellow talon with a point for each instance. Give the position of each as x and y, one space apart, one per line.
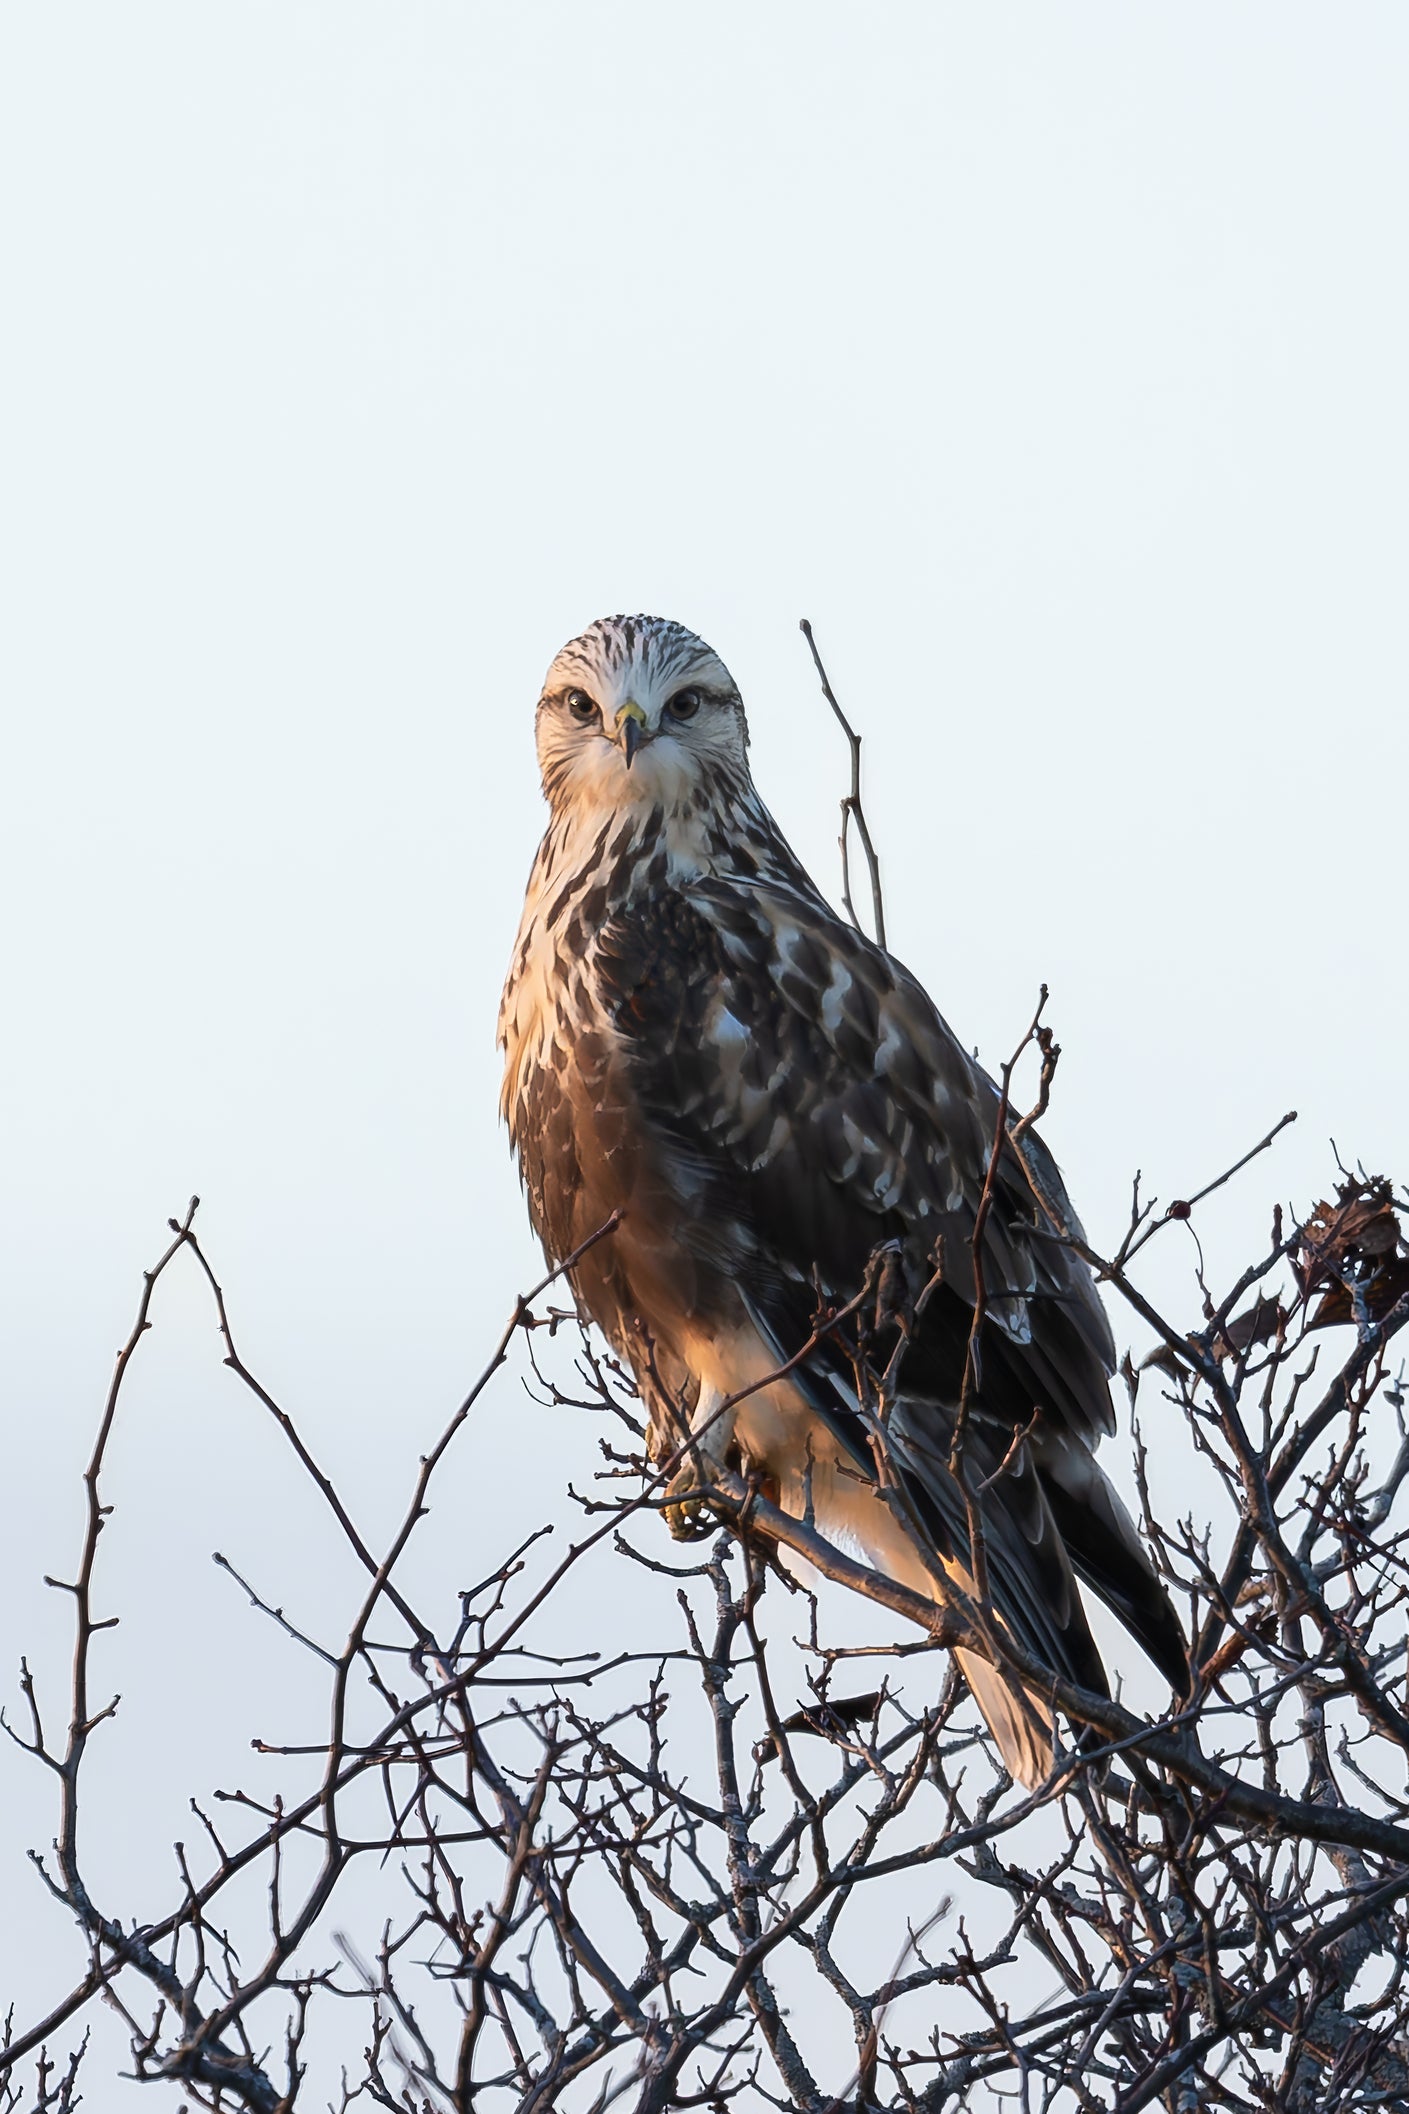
684 1511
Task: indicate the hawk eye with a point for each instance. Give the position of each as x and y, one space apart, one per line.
685 704
582 707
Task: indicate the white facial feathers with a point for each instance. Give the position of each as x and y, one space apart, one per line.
639 711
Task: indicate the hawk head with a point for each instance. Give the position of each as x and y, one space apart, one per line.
639 711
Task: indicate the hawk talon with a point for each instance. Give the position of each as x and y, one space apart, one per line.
684 1510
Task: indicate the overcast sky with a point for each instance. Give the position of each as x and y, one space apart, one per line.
1051 359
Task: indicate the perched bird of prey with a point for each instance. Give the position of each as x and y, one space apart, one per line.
694 1038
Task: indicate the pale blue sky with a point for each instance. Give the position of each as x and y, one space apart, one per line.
1050 359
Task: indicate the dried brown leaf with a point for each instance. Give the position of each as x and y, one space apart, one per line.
827 1721
1256 1324
1353 1251
1380 1290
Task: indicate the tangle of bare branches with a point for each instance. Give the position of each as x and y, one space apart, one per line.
662 1875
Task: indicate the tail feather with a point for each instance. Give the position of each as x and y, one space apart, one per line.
1049 1516
1106 1551
1030 1576
1019 1721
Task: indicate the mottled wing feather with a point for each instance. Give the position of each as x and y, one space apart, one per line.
826 1107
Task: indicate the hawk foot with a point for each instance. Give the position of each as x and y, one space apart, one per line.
685 1512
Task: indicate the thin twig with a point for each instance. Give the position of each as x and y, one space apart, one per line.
851 807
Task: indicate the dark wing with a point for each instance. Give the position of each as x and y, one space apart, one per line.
817 1106
811 1079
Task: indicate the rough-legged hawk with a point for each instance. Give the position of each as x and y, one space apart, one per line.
694 1038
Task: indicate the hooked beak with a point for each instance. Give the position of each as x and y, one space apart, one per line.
631 729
